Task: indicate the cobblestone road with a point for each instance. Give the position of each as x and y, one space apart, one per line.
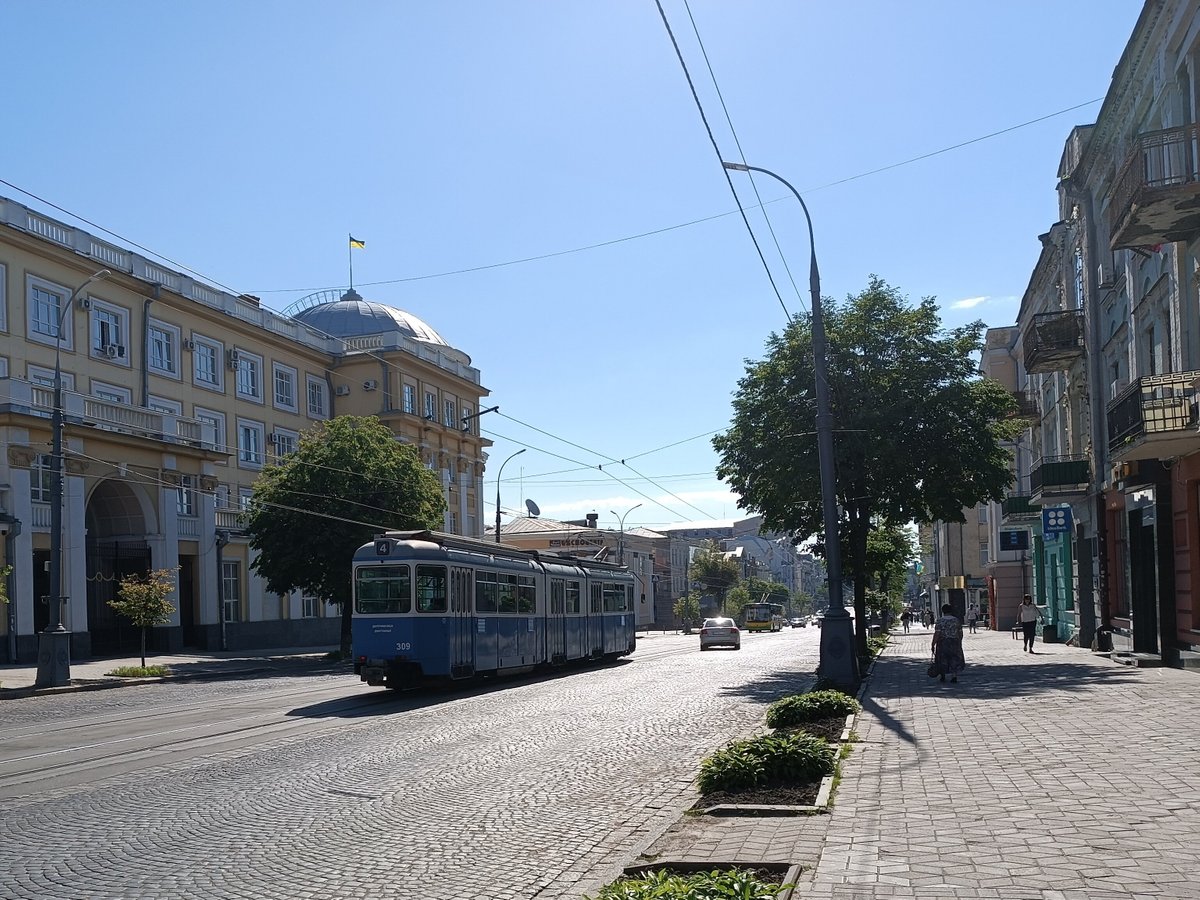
538 790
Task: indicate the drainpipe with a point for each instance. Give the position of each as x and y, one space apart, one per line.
12 528
154 289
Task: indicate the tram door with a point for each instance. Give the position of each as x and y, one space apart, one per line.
462 622
595 620
556 622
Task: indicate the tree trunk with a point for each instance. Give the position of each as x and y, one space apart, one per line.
143 646
860 527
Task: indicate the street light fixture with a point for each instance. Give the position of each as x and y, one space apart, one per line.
621 537
498 476
839 662
54 643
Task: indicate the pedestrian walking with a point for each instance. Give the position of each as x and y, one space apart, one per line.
906 620
972 617
1027 617
947 645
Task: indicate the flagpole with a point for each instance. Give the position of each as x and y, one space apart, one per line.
350 257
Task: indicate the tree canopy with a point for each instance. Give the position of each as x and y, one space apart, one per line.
918 434
348 480
715 572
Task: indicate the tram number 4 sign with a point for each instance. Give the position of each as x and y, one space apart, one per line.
1056 520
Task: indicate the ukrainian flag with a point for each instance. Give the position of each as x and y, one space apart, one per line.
355 242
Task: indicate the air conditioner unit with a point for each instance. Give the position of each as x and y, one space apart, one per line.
342 390
231 359
275 438
85 302
114 351
188 344
370 384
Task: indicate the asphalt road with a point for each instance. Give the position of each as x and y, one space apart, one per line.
317 786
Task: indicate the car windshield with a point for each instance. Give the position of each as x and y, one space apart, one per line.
718 623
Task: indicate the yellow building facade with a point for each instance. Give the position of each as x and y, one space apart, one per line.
176 395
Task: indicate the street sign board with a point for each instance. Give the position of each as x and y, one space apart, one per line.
1056 520
1014 540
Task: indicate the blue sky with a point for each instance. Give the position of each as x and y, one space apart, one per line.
246 140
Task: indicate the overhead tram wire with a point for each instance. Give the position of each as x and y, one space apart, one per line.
556 253
717 150
635 456
741 153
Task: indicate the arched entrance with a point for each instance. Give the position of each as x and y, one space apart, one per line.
116 518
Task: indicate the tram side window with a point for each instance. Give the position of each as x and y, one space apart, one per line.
557 597
486 591
574 605
383 589
614 597
508 594
597 597
431 589
526 594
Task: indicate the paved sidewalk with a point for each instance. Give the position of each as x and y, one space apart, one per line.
1057 775
91 674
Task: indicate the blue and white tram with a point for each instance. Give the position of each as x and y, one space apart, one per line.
431 606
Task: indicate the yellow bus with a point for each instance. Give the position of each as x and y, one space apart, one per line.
763 617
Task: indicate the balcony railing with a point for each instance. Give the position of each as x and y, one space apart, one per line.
1053 341
1155 417
1027 405
1058 475
231 520
1017 507
1156 196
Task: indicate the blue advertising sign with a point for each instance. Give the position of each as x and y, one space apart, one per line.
1056 521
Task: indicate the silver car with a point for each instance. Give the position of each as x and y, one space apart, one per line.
720 632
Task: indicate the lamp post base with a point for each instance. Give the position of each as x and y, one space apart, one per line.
54 659
839 662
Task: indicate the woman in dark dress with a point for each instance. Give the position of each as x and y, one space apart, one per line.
947 645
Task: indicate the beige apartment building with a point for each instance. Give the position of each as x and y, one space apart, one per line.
176 395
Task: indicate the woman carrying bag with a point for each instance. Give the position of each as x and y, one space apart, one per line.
1028 616
947 646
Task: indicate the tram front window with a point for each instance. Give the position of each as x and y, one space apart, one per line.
382 590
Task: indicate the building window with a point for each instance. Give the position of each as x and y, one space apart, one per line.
170 407
249 376
163 350
448 418
206 363
983 555
111 393
231 586
310 606
250 443
431 406
468 420
983 515
109 328
410 399
285 387
3 299
39 478
217 421
284 443
187 496
45 377
318 401
45 306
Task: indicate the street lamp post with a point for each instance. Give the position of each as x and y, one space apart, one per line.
621 536
839 662
498 476
54 643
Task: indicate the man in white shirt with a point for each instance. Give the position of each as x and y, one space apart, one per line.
1027 616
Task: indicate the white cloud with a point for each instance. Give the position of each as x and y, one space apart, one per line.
968 303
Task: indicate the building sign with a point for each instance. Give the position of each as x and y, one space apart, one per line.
1056 521
951 583
1014 540
576 542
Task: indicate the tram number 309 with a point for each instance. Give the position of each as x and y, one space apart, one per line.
404 645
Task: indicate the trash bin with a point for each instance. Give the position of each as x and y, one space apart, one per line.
1049 634
874 630
1104 640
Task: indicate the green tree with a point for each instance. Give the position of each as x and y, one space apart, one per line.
687 611
918 434
144 600
714 571
890 551
348 480
803 603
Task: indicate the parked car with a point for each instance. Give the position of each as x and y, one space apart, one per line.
720 632
799 622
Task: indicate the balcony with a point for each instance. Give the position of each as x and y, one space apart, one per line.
1017 508
1054 341
1058 479
1027 406
232 520
1154 418
1156 196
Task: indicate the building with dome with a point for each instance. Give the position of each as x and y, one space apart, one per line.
176 395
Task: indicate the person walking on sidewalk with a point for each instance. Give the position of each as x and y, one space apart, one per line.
1027 616
947 645
905 619
972 617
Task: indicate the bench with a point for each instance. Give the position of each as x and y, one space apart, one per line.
1016 631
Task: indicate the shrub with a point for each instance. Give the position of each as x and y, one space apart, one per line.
139 671
792 757
728 884
800 709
